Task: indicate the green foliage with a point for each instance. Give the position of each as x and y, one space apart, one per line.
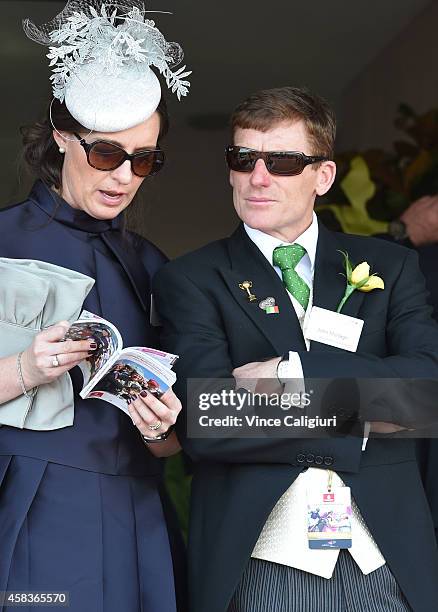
374 187
178 482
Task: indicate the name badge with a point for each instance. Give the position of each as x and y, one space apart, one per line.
329 518
333 328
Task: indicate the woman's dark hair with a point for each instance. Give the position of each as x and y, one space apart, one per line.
40 151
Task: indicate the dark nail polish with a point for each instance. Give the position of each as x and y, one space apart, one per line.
144 393
93 345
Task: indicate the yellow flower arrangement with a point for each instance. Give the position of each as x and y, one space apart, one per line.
358 278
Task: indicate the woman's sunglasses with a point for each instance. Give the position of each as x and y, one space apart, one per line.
103 155
283 163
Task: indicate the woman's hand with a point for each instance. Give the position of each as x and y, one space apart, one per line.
38 362
153 416
147 412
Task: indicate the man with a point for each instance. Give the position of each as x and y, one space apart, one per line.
248 542
418 227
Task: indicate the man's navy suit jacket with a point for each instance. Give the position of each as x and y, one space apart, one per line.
210 323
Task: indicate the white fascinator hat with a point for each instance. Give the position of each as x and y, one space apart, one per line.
101 53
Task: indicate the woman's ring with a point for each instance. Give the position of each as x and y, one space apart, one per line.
155 426
55 362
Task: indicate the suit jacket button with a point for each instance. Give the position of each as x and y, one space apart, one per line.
319 460
301 458
328 460
310 458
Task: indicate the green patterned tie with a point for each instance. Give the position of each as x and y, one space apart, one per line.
286 258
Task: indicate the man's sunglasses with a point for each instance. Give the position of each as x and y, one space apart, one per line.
103 155
283 163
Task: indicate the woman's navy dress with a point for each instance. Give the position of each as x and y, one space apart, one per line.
82 509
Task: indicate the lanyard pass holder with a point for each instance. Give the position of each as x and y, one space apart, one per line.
329 517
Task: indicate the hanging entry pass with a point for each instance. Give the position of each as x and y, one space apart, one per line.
329 518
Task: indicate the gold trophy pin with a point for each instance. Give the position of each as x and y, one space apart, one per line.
246 286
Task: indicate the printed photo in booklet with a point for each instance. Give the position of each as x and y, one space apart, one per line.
114 374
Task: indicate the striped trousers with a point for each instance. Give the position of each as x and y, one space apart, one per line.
269 587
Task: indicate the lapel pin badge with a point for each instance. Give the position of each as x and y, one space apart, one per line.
246 286
268 305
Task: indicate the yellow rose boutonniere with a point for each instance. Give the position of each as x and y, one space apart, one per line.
358 278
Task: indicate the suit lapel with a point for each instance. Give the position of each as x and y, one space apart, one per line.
329 281
282 330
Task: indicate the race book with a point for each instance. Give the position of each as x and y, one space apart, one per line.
116 374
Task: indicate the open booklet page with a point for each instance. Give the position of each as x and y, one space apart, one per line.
117 375
107 337
166 359
133 372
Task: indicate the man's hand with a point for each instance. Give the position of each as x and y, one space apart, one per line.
382 427
259 376
421 219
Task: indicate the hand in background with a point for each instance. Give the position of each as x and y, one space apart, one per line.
421 219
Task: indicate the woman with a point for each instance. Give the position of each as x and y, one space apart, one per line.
82 509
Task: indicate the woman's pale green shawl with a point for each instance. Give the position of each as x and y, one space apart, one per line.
33 296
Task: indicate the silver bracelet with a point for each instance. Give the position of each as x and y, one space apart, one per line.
21 379
159 438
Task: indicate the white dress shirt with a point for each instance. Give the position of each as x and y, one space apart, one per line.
284 536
